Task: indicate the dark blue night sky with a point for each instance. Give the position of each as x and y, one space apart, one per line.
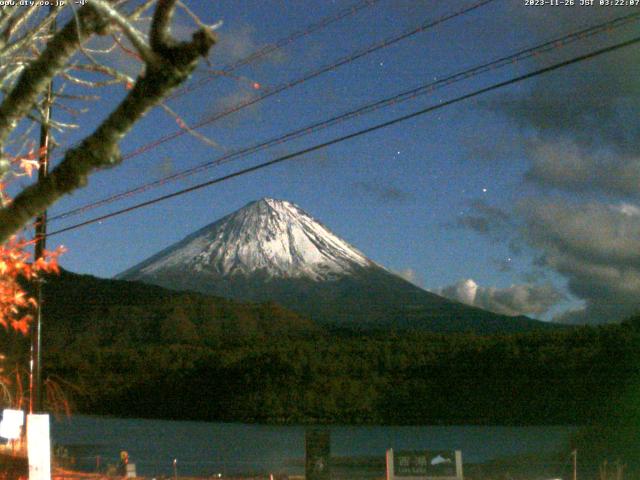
524 200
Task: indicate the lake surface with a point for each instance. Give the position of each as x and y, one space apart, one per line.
205 449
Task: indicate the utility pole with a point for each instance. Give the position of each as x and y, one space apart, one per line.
574 455
35 379
40 245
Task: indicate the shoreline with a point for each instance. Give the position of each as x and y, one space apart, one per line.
520 467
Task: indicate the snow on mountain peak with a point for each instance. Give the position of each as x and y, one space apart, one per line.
271 236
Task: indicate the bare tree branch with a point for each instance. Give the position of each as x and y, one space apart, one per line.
12 23
171 63
135 15
160 35
35 78
135 37
185 126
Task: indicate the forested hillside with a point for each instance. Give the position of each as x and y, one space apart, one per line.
145 351
570 377
573 377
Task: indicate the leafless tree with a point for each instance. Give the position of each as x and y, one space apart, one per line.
32 54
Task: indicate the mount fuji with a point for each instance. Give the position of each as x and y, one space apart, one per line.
271 250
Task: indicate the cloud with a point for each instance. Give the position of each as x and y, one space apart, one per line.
564 164
524 299
410 275
534 276
581 122
484 218
503 264
596 247
592 102
464 291
593 106
382 192
238 99
238 42
578 131
235 43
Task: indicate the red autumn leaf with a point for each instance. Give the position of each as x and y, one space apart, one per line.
22 325
28 166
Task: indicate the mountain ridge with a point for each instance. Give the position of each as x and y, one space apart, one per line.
272 250
286 242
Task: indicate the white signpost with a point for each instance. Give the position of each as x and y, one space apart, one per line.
38 447
424 465
11 424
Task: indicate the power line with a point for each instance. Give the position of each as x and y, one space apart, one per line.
270 48
368 108
359 133
309 76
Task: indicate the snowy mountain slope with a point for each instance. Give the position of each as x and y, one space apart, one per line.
270 236
271 250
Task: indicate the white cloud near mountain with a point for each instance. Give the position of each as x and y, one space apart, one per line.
579 133
595 246
524 299
410 275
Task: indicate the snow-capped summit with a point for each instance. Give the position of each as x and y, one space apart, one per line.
268 236
271 250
